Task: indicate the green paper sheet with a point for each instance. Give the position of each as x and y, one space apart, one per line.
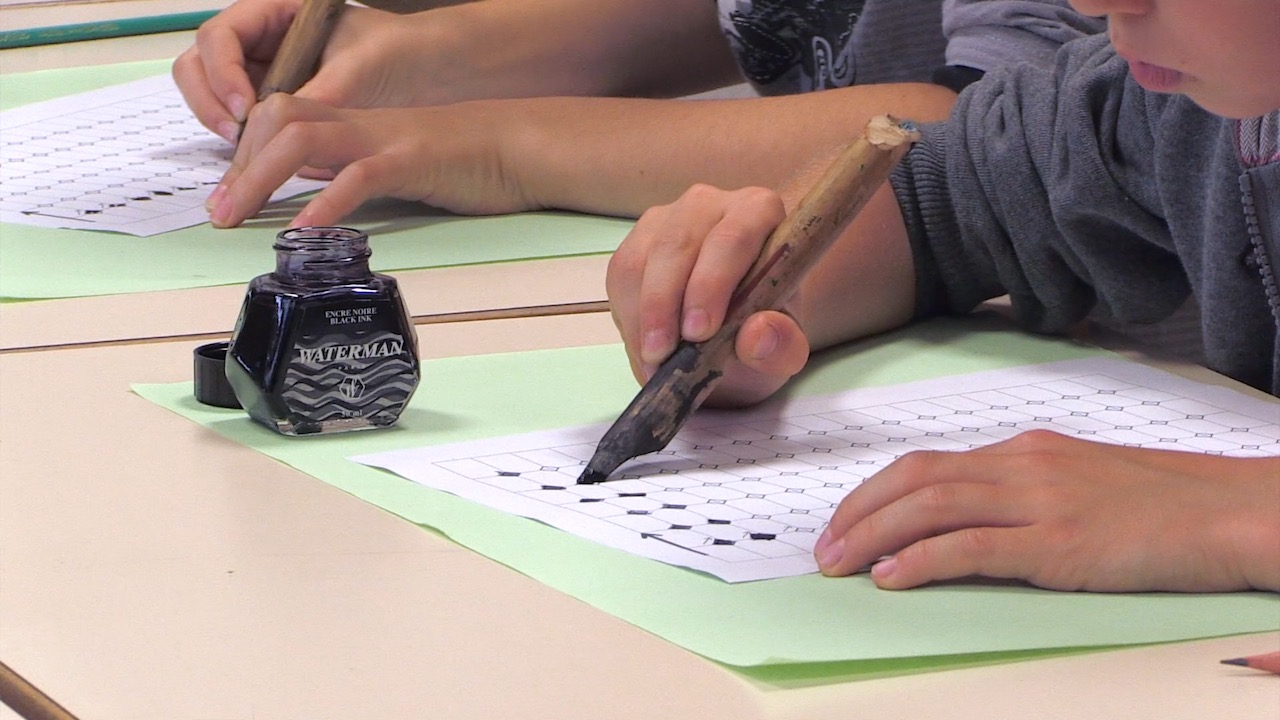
40 262
785 631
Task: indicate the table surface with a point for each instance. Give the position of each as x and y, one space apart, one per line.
471 292
162 571
107 50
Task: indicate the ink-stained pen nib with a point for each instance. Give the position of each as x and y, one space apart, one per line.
629 437
591 477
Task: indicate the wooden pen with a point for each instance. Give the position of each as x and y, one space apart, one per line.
300 50
685 379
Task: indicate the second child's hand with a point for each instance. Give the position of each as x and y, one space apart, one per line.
1064 514
443 157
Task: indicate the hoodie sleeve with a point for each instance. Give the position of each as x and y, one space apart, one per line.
1043 186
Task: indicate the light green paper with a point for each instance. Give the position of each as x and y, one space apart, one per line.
38 262
786 631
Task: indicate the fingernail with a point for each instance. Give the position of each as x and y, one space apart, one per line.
229 131
655 346
215 197
238 107
884 568
831 555
823 541
221 213
767 343
302 219
695 324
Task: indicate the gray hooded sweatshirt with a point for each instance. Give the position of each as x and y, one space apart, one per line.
1072 189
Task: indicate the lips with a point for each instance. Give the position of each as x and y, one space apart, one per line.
1155 78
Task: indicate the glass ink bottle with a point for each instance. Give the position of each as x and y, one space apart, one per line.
323 344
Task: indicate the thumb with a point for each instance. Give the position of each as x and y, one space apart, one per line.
770 348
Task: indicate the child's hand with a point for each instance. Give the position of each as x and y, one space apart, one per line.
1065 514
369 61
448 157
672 278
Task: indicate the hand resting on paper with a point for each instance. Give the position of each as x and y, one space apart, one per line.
445 157
1065 514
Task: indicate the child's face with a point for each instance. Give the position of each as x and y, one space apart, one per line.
1224 54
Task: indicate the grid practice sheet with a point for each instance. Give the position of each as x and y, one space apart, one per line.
129 158
743 495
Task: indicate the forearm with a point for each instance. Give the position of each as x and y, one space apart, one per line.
620 156
517 48
865 284
1250 529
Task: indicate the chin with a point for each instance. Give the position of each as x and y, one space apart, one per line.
1235 108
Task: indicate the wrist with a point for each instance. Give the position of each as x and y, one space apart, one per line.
1252 535
535 158
507 50
434 51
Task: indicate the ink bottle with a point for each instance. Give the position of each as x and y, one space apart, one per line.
323 344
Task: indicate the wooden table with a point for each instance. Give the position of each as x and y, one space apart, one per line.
153 569
472 292
150 569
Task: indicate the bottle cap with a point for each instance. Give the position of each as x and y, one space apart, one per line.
211 386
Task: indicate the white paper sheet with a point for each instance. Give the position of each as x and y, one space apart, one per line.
744 495
129 158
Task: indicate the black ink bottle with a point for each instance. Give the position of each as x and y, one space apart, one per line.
323 344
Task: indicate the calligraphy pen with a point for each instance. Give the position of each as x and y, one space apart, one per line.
685 379
300 49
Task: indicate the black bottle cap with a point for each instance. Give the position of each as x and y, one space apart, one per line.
211 383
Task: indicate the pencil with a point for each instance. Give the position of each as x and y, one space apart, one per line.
296 59
104 29
1270 662
685 379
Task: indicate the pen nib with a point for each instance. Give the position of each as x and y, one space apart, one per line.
591 477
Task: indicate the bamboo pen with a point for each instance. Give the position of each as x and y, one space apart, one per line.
300 50
685 379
